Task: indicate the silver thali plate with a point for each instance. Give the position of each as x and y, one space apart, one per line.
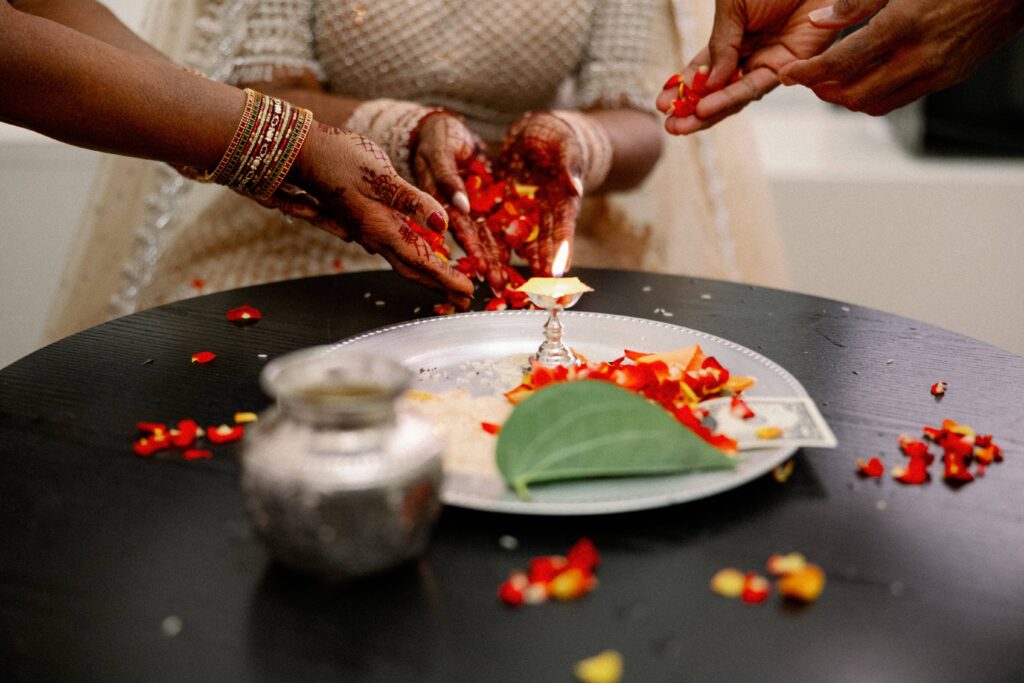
430 346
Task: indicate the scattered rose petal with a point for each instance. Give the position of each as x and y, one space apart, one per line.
185 434
444 309
939 389
739 409
535 594
803 585
583 555
605 667
149 445
755 588
244 314
203 357
511 591
783 472
728 582
197 454
870 468
768 433
778 565
245 417
553 576
225 433
571 584
490 427
915 473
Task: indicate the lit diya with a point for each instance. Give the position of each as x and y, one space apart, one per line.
555 294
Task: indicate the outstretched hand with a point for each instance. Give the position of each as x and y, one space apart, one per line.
345 184
541 149
909 49
759 36
444 145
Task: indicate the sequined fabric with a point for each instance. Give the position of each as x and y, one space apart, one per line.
489 61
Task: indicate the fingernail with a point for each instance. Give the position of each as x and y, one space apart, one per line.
577 185
437 221
823 14
461 201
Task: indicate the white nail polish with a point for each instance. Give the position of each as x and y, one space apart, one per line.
461 201
823 14
577 185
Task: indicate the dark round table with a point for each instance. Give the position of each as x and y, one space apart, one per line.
114 567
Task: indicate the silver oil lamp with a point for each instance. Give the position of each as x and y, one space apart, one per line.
554 295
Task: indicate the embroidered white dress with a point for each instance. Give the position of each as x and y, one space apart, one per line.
491 62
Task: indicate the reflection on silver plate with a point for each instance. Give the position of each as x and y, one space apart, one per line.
452 341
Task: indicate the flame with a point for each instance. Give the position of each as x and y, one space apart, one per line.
561 262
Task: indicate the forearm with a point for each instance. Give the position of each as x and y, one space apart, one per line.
636 142
77 89
306 92
93 19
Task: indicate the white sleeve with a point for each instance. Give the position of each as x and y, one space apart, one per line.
612 73
278 36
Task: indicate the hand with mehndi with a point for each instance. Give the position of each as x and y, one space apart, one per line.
344 183
443 145
910 48
759 36
541 149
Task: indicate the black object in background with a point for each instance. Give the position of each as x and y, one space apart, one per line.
982 116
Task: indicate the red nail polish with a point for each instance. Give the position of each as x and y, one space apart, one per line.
700 79
437 221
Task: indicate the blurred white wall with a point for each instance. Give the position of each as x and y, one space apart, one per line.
863 221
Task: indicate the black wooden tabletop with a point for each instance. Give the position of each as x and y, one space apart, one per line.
114 567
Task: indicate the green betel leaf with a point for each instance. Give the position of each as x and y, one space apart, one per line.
578 430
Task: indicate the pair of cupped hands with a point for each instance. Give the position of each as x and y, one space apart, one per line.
345 184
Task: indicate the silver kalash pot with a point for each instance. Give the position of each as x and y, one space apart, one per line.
337 480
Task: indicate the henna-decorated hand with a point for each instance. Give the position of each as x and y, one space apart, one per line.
443 145
541 149
352 190
762 36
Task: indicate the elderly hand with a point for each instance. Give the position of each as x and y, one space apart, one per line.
762 37
909 49
349 188
541 149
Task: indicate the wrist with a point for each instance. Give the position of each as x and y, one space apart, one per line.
595 145
267 142
422 124
391 124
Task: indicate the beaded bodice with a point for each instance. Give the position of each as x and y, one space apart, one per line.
491 61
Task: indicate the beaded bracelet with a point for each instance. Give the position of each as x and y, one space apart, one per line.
263 149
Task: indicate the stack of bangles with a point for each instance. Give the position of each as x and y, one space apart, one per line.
264 147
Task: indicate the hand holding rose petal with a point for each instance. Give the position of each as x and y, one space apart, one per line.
760 36
444 145
349 188
541 149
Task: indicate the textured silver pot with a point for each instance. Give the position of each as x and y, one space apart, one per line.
336 480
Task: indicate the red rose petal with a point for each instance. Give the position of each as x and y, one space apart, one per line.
244 314
871 468
197 454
